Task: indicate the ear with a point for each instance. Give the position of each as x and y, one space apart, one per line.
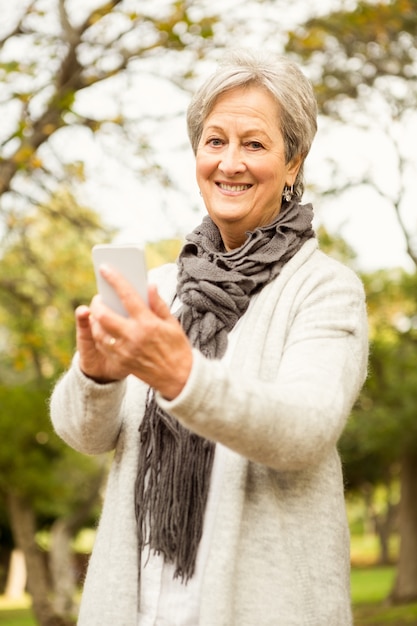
293 168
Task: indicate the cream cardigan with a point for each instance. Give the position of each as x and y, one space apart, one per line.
280 548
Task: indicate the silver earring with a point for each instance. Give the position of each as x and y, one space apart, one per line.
288 193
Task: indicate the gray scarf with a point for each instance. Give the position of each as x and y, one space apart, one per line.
214 288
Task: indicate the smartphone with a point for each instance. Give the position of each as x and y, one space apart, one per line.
130 261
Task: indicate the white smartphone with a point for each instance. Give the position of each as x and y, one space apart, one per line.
130 261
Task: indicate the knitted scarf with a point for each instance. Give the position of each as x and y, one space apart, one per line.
214 288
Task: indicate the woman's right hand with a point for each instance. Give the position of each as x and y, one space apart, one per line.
93 363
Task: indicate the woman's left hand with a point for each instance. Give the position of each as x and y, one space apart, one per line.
149 344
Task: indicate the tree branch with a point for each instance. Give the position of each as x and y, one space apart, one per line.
97 14
18 29
69 32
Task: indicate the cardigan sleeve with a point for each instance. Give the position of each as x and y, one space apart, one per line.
292 418
85 414
89 416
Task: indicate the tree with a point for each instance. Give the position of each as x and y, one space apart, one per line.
364 67
51 61
381 429
45 272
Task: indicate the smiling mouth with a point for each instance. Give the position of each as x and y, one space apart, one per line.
228 187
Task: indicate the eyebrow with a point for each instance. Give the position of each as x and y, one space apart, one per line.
248 132
213 127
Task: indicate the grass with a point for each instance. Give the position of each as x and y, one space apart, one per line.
17 617
379 615
370 589
16 613
371 584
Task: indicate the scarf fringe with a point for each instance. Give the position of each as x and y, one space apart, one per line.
171 495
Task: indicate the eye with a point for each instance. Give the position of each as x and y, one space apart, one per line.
254 145
215 142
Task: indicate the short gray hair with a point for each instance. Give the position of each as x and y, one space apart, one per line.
283 79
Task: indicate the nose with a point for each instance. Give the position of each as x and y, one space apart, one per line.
231 161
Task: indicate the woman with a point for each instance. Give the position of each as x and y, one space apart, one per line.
226 507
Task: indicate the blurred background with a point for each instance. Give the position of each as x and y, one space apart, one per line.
93 148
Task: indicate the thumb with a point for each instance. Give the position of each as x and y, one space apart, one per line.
82 316
82 319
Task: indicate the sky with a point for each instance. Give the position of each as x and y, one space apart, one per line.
144 211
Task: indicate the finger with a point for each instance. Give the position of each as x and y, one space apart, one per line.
157 304
99 319
82 315
129 297
104 342
97 305
104 321
102 312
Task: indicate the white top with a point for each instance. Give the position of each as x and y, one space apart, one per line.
165 600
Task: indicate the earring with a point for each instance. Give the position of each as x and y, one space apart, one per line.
288 193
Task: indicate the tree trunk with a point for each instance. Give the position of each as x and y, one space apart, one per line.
405 588
384 526
22 522
383 532
62 561
63 569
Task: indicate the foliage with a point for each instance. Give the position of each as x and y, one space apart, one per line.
372 47
57 60
382 430
383 424
335 246
33 461
164 251
45 272
363 63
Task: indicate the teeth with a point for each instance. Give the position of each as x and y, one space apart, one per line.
233 187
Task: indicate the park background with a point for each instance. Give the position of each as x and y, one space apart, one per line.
93 148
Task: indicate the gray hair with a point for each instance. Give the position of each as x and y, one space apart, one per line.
287 84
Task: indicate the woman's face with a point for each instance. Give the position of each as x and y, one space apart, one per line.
240 163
